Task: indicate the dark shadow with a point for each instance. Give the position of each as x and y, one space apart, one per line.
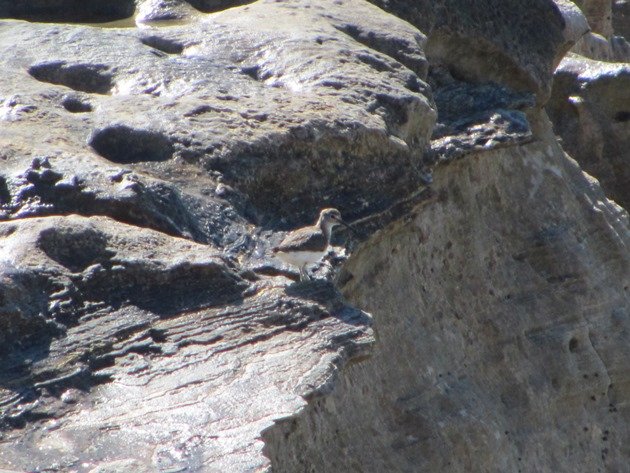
212 6
91 78
166 45
125 145
70 11
325 293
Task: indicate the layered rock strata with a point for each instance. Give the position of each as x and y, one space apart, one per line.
477 319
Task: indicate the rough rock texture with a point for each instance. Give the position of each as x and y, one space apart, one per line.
590 103
149 163
493 40
171 343
501 310
590 108
309 102
621 17
599 14
595 46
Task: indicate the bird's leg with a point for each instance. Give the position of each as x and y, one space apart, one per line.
304 276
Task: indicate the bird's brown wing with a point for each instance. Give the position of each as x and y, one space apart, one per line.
303 240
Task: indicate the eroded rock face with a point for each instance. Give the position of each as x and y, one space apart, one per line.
145 173
501 310
478 43
621 17
599 14
116 310
590 108
247 102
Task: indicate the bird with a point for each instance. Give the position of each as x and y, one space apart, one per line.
307 245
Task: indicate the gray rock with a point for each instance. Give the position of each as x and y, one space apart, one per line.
510 42
148 165
497 350
621 17
590 109
215 94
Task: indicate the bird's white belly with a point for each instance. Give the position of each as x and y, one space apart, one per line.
300 258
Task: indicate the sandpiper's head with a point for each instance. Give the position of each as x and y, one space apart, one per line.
329 218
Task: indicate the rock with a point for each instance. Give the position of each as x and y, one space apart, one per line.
621 18
116 294
599 15
148 165
590 108
198 104
476 44
501 308
163 10
120 466
475 117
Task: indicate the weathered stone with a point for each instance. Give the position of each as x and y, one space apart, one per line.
145 173
130 305
599 15
510 42
621 17
228 94
590 109
501 313
476 117
595 46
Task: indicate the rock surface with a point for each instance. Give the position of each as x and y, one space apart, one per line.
493 40
621 17
148 163
590 107
502 319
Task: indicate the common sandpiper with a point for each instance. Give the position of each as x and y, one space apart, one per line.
307 245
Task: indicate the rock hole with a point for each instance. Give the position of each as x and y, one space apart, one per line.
251 71
91 78
123 144
157 335
211 6
71 11
622 116
74 248
166 45
573 345
75 104
5 195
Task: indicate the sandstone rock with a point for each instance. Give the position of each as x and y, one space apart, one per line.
163 10
595 46
475 117
129 305
599 14
146 171
621 17
501 313
227 95
477 42
590 110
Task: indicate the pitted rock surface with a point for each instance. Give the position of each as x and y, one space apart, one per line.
299 100
152 153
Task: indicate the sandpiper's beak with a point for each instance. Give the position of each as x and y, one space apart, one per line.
347 225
